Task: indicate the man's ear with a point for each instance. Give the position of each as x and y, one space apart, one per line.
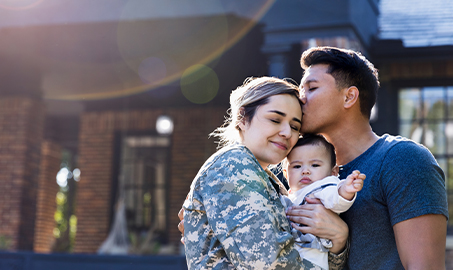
351 96
335 170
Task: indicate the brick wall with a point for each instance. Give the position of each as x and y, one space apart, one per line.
190 148
21 122
47 190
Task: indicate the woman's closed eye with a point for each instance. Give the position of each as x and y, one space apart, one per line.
278 121
296 128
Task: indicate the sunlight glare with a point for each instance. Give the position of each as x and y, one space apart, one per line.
19 4
62 177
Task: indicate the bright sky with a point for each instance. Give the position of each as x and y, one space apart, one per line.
35 12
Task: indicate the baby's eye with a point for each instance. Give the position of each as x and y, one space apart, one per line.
315 165
296 166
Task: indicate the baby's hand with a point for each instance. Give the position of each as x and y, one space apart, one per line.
354 181
352 184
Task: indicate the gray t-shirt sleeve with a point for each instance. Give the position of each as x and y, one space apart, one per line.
412 182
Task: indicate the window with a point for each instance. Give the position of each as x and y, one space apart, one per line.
426 116
143 175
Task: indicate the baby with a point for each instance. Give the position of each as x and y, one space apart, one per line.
311 171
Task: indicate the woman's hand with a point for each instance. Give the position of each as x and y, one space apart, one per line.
181 224
321 222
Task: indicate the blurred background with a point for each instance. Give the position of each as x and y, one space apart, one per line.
106 106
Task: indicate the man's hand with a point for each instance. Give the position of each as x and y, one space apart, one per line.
321 222
181 224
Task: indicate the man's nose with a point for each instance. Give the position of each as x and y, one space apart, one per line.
303 99
302 96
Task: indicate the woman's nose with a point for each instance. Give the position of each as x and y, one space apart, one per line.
285 131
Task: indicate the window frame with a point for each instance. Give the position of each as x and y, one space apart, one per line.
117 153
443 156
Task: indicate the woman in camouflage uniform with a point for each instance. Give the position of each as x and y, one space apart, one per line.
233 218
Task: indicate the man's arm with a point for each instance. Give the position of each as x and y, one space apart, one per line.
421 242
414 189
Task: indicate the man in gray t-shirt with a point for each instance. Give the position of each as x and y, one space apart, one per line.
399 218
403 182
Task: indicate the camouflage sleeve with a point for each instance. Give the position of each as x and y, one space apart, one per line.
245 220
338 261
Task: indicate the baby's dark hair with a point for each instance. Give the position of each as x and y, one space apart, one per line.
317 139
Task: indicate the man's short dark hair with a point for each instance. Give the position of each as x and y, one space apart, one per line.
349 68
317 139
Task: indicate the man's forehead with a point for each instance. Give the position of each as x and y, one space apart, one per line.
307 79
308 74
315 73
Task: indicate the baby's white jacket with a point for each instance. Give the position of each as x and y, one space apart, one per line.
327 191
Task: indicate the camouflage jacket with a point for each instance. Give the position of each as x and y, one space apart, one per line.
233 217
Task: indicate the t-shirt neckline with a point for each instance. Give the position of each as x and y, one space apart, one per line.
367 152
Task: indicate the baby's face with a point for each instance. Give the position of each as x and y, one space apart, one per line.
307 164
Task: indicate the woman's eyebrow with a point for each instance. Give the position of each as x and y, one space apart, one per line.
284 114
277 112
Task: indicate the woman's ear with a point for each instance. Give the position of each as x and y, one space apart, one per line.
241 125
241 120
351 96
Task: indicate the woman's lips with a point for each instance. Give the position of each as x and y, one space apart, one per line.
280 145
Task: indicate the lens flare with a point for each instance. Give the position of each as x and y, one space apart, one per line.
19 4
199 84
152 70
167 50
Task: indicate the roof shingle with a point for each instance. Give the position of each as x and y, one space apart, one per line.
418 23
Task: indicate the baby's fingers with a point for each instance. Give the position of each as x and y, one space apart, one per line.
358 184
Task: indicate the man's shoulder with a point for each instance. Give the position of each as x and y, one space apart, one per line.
403 154
389 140
399 145
389 152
